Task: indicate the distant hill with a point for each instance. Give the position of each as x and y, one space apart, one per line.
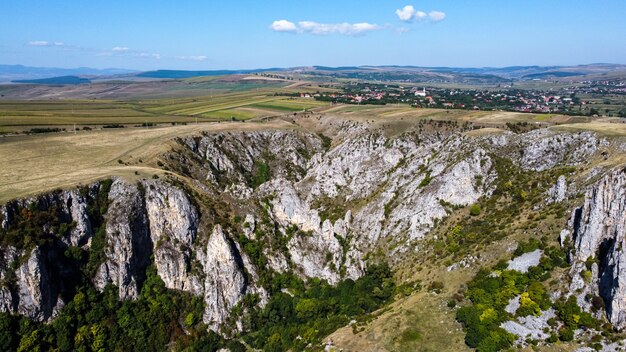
472 75
343 68
55 80
544 72
20 72
552 74
180 74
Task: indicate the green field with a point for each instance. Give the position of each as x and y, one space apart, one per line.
291 104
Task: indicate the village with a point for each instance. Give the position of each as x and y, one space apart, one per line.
591 98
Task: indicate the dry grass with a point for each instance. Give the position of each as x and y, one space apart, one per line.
39 163
420 322
604 128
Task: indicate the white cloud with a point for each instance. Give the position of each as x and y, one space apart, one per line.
122 51
402 30
39 43
283 26
45 43
148 55
406 13
350 29
409 13
192 58
436 16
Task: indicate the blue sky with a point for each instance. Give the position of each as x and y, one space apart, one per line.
207 34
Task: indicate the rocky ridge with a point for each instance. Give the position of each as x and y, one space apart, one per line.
332 205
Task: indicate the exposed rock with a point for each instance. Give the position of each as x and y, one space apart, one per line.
4 216
71 206
313 254
558 192
530 326
597 230
7 256
128 245
76 206
34 294
543 149
513 305
225 283
525 261
249 226
173 227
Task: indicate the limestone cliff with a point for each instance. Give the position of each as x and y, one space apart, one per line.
598 232
314 207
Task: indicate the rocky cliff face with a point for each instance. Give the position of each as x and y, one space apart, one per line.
598 232
173 230
127 250
144 220
315 209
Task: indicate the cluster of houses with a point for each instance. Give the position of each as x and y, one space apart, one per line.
503 98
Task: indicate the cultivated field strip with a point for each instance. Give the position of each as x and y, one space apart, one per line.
23 115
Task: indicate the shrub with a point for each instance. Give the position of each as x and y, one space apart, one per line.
425 181
326 141
474 210
261 174
566 334
597 303
315 309
436 287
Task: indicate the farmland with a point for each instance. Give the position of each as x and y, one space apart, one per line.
20 115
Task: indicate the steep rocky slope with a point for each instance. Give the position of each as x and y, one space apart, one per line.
316 207
597 230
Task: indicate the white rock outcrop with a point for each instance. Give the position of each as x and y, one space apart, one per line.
173 228
598 232
225 282
128 246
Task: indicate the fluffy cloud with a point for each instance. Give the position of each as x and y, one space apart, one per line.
406 13
283 26
120 49
436 16
350 29
45 43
